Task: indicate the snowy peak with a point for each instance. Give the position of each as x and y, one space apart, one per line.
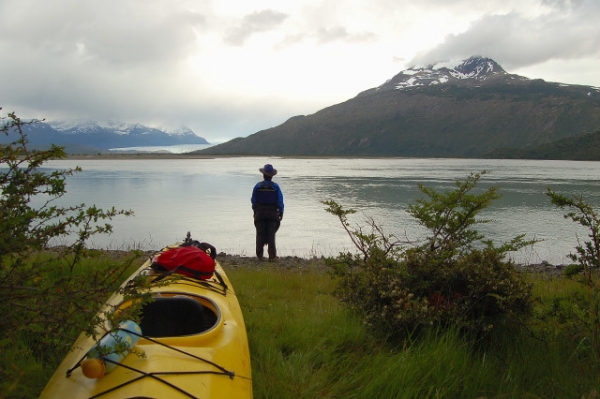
77 126
90 126
474 69
180 131
108 134
477 68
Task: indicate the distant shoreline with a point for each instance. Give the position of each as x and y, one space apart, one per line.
150 155
319 263
145 155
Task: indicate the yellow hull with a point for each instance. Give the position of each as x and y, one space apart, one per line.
212 363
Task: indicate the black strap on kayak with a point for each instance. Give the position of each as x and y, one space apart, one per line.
223 369
197 274
222 282
205 283
70 371
156 375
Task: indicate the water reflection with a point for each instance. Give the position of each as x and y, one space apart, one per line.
211 197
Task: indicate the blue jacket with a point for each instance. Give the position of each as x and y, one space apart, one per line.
267 192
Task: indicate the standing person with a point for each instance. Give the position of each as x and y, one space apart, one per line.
267 204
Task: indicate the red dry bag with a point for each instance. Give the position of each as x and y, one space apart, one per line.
189 261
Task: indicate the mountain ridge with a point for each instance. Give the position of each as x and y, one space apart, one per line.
580 148
469 110
96 136
470 70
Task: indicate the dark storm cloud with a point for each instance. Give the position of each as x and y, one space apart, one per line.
256 22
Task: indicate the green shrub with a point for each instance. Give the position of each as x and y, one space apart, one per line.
454 277
305 344
48 296
587 253
580 313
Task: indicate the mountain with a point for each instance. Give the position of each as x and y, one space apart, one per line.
580 148
465 110
94 136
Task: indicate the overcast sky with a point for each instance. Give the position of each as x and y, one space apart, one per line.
230 68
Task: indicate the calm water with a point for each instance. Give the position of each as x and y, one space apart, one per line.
211 198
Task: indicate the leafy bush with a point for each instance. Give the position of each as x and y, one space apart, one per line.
581 314
587 254
454 276
49 294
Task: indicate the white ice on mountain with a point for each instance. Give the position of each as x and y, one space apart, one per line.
442 73
77 126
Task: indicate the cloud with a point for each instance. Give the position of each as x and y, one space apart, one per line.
567 30
257 22
231 68
120 33
140 40
340 33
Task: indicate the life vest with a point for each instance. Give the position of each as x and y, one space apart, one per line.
266 194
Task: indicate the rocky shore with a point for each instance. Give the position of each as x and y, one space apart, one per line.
316 263
287 262
293 262
543 268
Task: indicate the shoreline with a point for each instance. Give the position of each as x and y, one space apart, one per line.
144 156
190 155
318 263
294 262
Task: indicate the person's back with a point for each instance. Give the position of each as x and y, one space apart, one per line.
267 205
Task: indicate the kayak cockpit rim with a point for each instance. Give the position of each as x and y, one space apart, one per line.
177 314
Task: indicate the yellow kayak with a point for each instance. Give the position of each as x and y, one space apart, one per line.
193 340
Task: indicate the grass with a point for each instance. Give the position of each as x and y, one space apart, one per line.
305 344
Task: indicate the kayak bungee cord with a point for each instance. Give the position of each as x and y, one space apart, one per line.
203 283
216 284
231 374
223 369
155 375
206 284
191 328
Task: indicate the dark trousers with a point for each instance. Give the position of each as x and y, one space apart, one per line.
266 221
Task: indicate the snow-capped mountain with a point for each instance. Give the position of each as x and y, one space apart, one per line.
473 70
85 126
105 135
180 131
76 126
468 108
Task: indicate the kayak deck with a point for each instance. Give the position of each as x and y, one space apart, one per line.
193 345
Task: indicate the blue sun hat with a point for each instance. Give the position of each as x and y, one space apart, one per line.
268 170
